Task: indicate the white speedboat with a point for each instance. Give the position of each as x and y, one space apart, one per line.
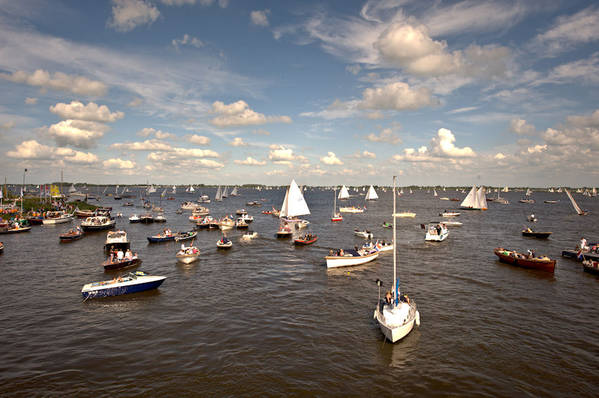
134 218
366 234
346 258
436 232
57 217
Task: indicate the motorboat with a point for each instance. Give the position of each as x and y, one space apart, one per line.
15 229
247 218
226 223
159 218
71 235
349 257
112 264
591 266
532 218
241 224
57 217
116 240
351 209
240 212
529 260
164 236
249 235
134 219
179 236
380 246
224 243
147 218
305 240
188 255
97 223
452 223
135 282
405 214
204 223
450 214
366 234
436 232
284 230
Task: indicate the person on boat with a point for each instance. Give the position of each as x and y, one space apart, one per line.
120 255
341 253
388 298
583 244
128 254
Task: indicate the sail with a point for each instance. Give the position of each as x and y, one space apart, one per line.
528 192
174 189
343 193
225 193
72 189
435 192
163 194
470 200
294 203
219 194
481 199
190 189
234 192
371 195
574 204
151 189
506 189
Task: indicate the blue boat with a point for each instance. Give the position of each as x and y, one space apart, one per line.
163 237
134 282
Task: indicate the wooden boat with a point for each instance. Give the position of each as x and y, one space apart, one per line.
224 243
226 223
513 257
166 236
346 258
305 240
240 212
97 223
188 255
284 231
1 247
241 224
35 220
135 282
366 234
83 213
15 229
552 202
71 235
124 263
185 235
591 266
534 234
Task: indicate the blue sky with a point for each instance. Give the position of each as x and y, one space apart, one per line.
328 93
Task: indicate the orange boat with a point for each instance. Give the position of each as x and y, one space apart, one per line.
543 263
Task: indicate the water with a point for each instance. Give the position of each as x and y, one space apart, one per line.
266 318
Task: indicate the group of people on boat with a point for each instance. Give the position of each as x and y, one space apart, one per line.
188 250
584 246
307 237
118 256
167 232
388 301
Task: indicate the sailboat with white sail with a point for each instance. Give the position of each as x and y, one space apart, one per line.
396 315
234 192
336 215
174 190
190 189
225 194
575 205
219 195
371 194
294 205
528 198
343 193
475 200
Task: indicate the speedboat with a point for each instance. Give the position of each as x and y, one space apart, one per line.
138 281
366 234
345 258
188 254
436 232
134 219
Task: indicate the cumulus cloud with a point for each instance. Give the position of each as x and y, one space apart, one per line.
280 154
188 158
331 159
147 145
118 163
198 139
58 81
238 141
499 156
386 135
187 40
78 133
365 155
250 161
441 148
520 127
397 96
33 150
259 17
161 135
129 14
240 114
91 112
570 31
30 101
585 121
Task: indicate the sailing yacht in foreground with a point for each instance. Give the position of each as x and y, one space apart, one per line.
294 205
396 317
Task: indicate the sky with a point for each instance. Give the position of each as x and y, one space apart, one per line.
326 92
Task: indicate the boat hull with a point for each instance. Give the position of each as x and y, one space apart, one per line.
188 258
521 261
591 267
103 227
70 237
347 261
303 242
156 239
121 265
15 230
120 289
540 235
395 333
53 221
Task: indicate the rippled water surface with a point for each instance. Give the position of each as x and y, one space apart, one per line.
269 318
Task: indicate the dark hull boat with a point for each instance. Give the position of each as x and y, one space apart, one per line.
590 266
126 263
135 282
521 260
71 236
161 238
15 230
534 234
36 220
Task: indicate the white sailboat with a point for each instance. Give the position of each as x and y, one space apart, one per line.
151 190
190 189
481 198
336 215
397 317
224 195
505 189
219 195
343 193
294 205
234 192
174 189
371 194
475 200
574 204
435 192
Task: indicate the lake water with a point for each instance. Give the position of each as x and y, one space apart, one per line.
267 318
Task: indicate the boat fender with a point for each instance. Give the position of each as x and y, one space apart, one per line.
417 318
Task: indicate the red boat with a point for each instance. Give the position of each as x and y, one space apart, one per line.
266 212
591 266
305 240
337 217
543 263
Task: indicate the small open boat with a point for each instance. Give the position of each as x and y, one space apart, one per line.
366 234
306 239
35 220
526 261
449 214
452 223
179 236
436 232
241 224
71 235
135 282
240 212
532 218
1 247
380 246
591 266
224 243
387 225
405 214
123 263
15 230
165 236
134 219
534 234
345 258
284 231
188 255
249 235
160 218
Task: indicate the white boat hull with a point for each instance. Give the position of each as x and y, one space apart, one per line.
53 221
436 238
346 261
350 210
188 259
394 333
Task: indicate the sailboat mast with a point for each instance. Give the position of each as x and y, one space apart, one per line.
334 201
395 244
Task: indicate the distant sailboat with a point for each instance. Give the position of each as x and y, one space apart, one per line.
475 200
219 195
343 193
575 205
505 189
151 190
174 189
234 192
190 189
371 194
224 195
435 192
336 215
